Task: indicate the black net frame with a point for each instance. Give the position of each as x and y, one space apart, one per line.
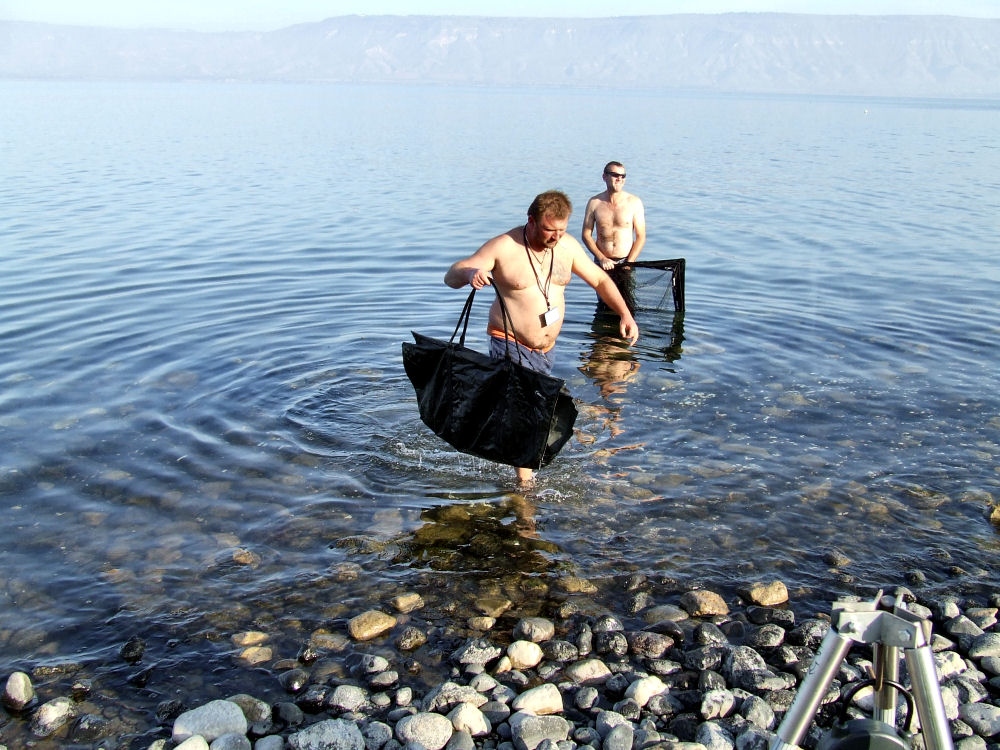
643 291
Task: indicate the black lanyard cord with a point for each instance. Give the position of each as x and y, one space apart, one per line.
548 281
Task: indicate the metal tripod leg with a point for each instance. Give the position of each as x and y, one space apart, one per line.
927 696
821 672
905 631
886 670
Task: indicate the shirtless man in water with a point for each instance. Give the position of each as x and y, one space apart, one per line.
620 222
619 219
531 266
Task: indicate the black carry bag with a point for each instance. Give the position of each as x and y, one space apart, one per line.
496 409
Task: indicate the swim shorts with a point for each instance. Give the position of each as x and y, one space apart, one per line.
533 359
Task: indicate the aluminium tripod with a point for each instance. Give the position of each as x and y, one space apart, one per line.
889 627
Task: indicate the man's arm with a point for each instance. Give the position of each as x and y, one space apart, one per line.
639 227
608 292
474 270
587 235
594 275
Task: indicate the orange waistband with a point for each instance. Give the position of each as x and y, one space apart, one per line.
496 332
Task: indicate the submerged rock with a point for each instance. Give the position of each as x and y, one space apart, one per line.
18 693
51 716
370 624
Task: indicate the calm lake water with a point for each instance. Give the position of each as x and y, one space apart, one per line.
206 427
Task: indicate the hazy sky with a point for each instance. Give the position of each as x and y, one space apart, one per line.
262 15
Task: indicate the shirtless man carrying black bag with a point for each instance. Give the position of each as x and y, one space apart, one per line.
531 266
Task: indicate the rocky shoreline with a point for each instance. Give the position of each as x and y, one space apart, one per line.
695 675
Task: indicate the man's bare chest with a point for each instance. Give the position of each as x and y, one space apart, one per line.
615 216
519 274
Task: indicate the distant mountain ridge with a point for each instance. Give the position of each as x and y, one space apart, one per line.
772 53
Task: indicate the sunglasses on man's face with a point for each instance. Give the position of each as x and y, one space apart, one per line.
616 175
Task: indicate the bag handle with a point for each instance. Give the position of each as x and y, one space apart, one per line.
508 325
463 319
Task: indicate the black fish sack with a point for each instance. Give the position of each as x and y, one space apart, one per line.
496 409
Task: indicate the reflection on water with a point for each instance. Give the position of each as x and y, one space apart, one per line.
480 539
612 364
610 361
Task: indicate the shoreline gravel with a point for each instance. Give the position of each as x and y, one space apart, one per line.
694 675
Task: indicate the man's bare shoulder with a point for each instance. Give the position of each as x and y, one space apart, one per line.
502 241
571 245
